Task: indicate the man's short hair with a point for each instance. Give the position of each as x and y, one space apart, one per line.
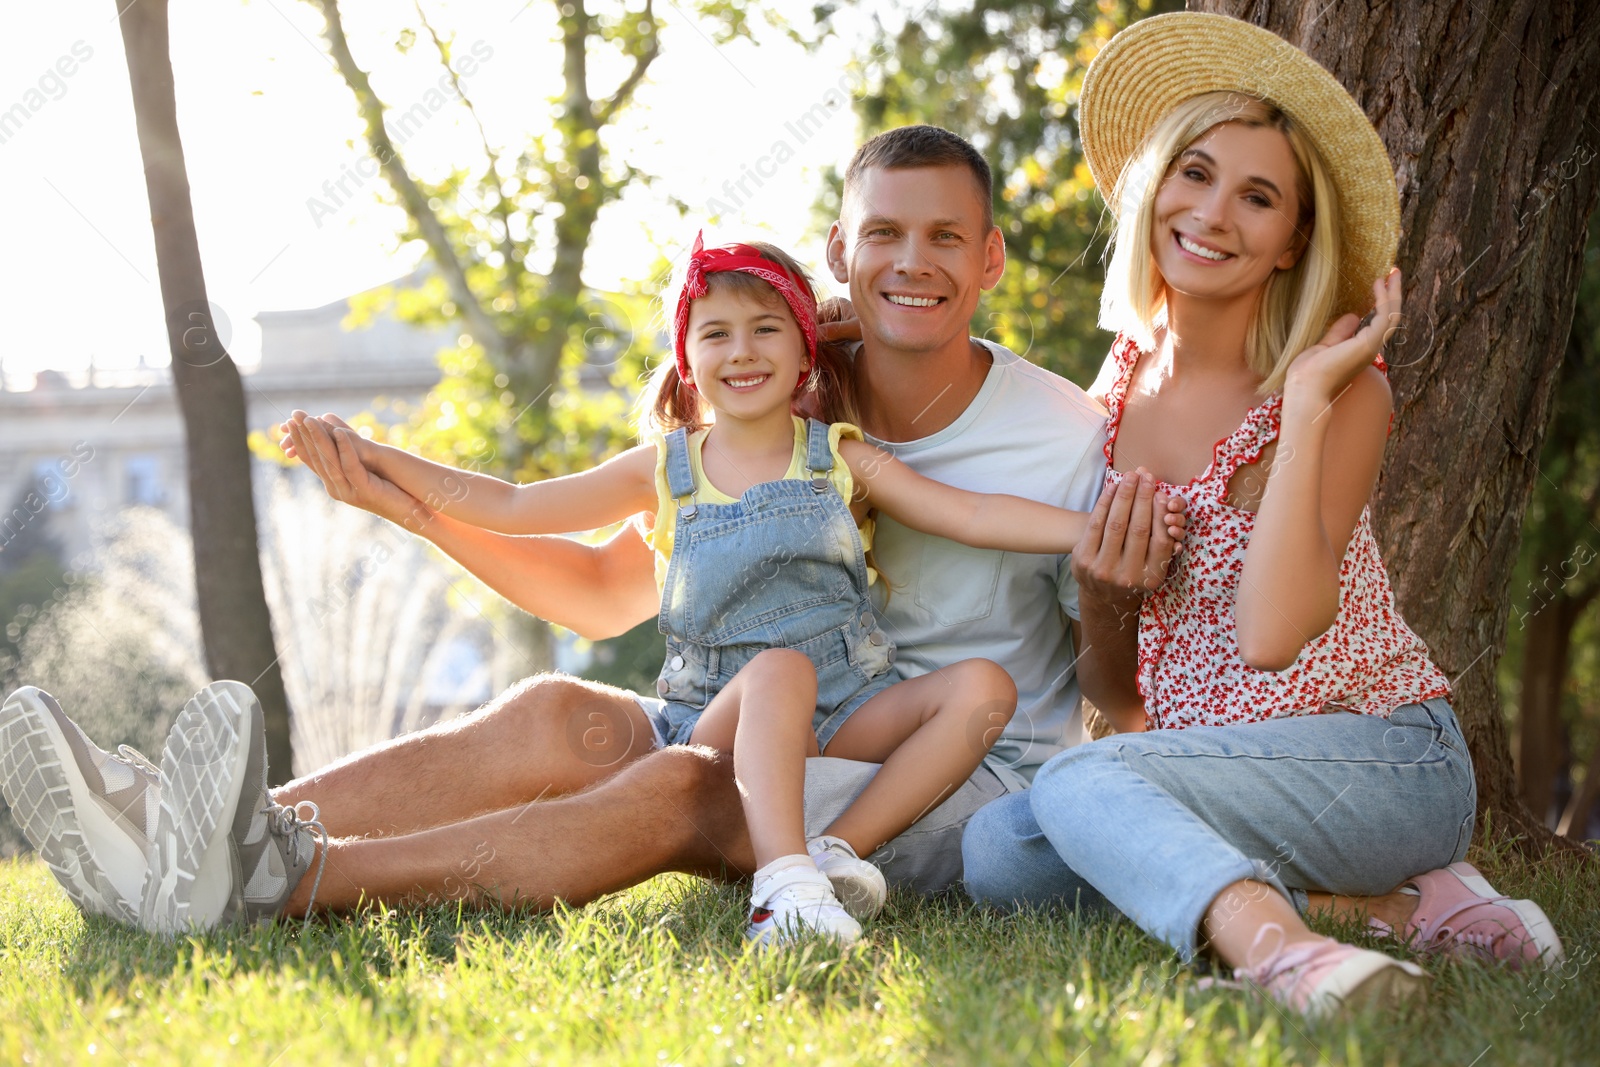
923 146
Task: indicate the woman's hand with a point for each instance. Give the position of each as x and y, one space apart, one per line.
330 448
1320 373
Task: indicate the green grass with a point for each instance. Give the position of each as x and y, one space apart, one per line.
660 975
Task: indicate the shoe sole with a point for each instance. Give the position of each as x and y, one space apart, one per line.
1533 918
774 932
202 775
1389 983
1396 984
36 781
780 937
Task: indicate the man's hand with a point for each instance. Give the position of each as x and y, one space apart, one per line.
331 449
836 321
1132 535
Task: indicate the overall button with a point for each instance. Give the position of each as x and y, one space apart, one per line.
677 663
663 687
867 620
876 637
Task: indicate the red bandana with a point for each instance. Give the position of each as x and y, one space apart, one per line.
746 260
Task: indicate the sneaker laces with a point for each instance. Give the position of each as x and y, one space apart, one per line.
286 822
1433 928
825 846
1275 967
132 757
1286 962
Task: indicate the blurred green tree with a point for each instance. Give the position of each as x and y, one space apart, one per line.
510 400
539 381
1006 74
1550 672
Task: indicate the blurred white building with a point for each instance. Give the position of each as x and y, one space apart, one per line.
93 442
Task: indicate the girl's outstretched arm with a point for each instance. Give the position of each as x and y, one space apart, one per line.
1335 405
618 488
980 520
597 591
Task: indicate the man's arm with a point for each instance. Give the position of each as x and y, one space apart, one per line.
597 591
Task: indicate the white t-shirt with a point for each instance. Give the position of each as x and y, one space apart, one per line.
1032 434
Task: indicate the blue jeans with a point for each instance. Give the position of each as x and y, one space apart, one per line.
1157 824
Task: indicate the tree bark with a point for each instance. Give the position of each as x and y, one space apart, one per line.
1544 679
1486 108
234 623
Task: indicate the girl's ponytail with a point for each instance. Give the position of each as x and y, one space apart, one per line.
672 402
830 394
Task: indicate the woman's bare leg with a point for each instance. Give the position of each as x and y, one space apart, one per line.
1235 922
1395 909
1238 914
930 733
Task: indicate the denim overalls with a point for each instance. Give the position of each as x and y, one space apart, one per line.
781 568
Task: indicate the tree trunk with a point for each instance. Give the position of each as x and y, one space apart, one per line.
1544 679
1574 822
234 624
1484 107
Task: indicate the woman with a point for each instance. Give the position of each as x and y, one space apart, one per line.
1292 739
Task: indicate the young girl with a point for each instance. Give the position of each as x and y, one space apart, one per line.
1298 740
761 522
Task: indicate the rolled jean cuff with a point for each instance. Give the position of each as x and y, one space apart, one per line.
1187 938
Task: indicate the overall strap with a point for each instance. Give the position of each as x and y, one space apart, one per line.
819 457
680 473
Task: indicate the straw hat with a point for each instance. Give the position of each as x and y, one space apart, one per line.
1154 64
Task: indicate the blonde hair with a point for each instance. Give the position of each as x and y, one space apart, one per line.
669 402
1295 305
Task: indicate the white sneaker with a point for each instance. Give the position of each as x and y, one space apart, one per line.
796 902
858 884
192 883
271 846
88 813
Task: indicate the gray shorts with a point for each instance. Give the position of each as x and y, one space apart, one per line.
925 858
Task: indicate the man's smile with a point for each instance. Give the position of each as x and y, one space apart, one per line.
910 301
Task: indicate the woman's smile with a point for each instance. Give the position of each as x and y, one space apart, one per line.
1195 249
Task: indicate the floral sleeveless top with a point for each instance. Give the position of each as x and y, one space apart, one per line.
1190 671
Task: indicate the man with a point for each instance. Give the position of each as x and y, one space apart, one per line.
558 788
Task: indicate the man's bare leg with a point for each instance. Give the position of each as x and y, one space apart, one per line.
548 736
675 810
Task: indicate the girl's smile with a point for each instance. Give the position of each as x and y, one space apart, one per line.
745 354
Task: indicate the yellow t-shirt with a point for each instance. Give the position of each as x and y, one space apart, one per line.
660 538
